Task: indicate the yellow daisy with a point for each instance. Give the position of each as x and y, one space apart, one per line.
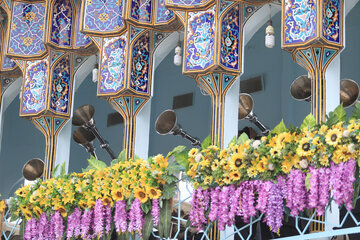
235 176
304 148
154 193
208 180
215 165
193 152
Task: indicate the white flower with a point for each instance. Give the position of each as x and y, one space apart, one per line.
271 167
351 148
256 144
303 163
346 133
198 157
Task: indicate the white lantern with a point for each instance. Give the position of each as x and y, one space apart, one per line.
270 36
95 73
177 57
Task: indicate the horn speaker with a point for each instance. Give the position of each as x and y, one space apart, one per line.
33 169
166 123
246 105
300 89
85 138
84 117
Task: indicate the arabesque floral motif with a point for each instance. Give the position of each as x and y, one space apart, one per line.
331 20
199 52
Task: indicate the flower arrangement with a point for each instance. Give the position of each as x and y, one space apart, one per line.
2 207
128 196
291 170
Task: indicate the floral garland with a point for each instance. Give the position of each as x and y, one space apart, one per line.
87 204
294 169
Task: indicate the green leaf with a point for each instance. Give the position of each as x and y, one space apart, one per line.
145 207
279 128
22 228
63 170
176 150
169 190
54 171
336 116
96 164
233 140
307 181
165 220
356 111
148 226
309 122
242 138
206 143
173 169
182 159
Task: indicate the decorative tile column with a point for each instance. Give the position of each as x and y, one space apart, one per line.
312 31
126 54
212 51
43 39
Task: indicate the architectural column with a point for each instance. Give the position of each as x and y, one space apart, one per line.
126 57
313 32
43 39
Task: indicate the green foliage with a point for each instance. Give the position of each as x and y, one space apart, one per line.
148 226
63 170
54 171
182 159
336 116
279 128
356 111
165 220
169 190
120 158
309 122
206 143
176 150
242 138
96 164
146 207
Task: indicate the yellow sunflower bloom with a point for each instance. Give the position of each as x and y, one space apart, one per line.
141 195
235 176
236 161
324 160
193 152
215 165
304 148
61 210
117 195
353 127
208 180
154 193
252 172
27 214
227 179
37 211
333 137
223 154
286 166
323 129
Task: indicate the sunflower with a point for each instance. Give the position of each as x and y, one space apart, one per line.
353 127
286 166
208 180
304 148
236 161
21 192
37 211
27 214
227 179
275 151
333 137
324 160
141 195
107 201
83 204
316 142
154 193
215 165
235 176
223 154
61 210
117 195
323 129
261 166
341 154
284 137
193 152
252 172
